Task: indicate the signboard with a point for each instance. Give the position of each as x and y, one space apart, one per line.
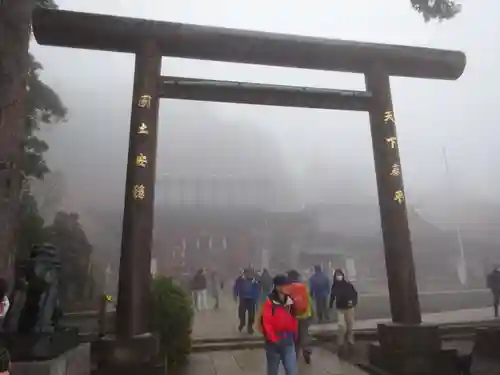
350 269
154 267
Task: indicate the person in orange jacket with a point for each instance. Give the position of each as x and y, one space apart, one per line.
280 329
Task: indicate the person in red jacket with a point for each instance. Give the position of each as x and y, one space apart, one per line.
280 329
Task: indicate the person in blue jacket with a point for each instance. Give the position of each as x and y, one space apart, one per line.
247 292
319 287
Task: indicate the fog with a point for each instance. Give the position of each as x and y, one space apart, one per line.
312 155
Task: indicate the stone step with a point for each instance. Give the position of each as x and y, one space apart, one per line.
447 330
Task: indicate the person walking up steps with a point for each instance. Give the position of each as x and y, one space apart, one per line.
319 285
280 329
346 297
246 292
199 288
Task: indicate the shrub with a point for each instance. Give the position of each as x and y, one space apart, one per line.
172 318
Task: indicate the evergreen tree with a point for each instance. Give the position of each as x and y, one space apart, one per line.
437 9
42 107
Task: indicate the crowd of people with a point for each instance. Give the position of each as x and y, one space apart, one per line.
282 308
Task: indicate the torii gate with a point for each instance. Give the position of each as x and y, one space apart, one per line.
150 40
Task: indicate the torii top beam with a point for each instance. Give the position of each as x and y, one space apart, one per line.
120 34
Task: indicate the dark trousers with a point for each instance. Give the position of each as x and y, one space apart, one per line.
496 302
246 306
321 309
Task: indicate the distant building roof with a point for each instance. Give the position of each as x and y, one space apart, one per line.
363 220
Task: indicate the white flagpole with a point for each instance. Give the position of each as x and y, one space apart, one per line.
462 265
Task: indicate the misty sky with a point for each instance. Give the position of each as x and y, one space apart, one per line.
461 116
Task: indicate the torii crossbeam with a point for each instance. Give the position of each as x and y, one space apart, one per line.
150 40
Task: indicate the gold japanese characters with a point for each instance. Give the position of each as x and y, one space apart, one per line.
395 170
145 101
139 192
399 196
143 129
141 160
391 141
389 117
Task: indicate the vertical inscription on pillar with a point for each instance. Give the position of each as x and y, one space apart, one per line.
392 141
404 302
141 160
135 277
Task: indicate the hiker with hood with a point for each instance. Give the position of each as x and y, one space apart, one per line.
319 286
299 291
280 329
346 298
266 284
494 286
246 291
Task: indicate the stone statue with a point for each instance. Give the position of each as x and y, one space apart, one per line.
35 300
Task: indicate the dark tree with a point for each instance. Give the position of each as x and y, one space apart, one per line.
437 9
43 106
15 16
67 234
32 227
24 100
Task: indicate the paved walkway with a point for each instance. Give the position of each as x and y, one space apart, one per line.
211 324
457 316
252 362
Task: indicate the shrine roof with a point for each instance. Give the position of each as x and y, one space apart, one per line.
120 34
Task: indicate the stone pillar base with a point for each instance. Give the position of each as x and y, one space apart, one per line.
75 361
488 342
412 350
125 356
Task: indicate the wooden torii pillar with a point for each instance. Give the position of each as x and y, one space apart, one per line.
150 40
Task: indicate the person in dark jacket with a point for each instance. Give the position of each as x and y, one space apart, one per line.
346 298
494 286
319 287
246 291
199 289
280 329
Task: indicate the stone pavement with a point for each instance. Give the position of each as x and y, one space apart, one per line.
252 362
457 316
211 324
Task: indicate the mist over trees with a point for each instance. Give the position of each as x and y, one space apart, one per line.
43 189
42 108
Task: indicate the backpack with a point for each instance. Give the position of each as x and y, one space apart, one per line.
300 296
